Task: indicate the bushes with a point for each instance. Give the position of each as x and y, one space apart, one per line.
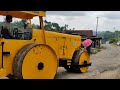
113 41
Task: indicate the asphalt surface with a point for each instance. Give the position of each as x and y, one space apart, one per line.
105 65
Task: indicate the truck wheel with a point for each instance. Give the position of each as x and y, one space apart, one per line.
35 61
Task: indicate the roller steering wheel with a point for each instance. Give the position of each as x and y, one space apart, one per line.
15 32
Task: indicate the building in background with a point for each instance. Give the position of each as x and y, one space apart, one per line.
86 34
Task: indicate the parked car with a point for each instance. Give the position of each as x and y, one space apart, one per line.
118 43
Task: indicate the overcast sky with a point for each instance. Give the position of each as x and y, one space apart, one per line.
107 20
83 20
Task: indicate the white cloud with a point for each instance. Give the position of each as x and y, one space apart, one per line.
86 21
2 18
107 20
67 13
112 15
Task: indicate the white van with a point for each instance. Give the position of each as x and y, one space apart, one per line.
118 43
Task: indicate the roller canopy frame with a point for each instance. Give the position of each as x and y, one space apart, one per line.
24 14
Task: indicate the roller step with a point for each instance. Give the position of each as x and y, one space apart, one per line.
6 53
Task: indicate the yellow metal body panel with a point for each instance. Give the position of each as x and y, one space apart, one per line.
64 46
3 72
36 55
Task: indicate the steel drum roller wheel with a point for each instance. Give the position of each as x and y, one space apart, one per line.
35 61
80 58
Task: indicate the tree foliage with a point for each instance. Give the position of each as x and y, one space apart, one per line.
110 36
54 26
49 26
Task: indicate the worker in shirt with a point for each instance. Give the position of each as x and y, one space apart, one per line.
6 28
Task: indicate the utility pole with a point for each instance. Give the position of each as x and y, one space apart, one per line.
96 26
114 28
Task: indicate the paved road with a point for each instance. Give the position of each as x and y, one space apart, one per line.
105 65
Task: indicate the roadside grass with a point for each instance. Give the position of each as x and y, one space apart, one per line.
114 41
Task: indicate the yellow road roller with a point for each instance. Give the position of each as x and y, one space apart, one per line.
36 53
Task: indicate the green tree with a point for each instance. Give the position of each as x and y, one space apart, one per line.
110 36
50 26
